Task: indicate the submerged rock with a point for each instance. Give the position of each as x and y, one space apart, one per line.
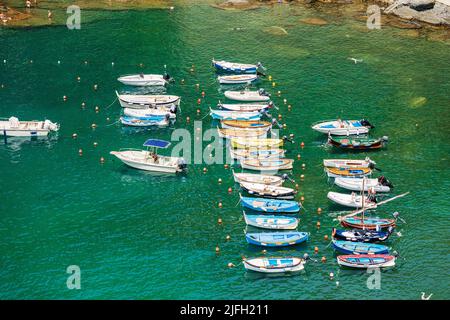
314 21
417 102
275 30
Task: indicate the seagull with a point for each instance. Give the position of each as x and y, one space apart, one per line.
426 298
356 60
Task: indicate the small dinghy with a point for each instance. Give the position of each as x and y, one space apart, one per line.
368 223
266 164
146 101
357 143
150 112
258 178
349 247
149 160
343 127
234 115
15 128
268 191
270 206
381 184
274 264
261 154
349 163
239 133
360 235
351 200
145 122
248 107
256 143
271 222
247 95
237 78
143 80
232 67
353 172
247 125
276 239
364 261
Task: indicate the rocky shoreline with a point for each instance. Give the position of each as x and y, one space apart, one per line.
403 14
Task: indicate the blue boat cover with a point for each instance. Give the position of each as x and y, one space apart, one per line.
156 143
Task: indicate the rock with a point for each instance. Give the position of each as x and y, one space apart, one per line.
314 21
275 30
400 24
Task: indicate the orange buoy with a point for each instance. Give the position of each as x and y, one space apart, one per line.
264 251
220 180
280 117
74 135
219 221
296 186
225 166
198 111
205 169
93 126
80 152
64 98
316 249
325 237
199 101
273 84
102 160
230 265
318 224
220 204
323 259
203 93
302 198
302 176
299 156
302 144
270 78
284 125
217 249
230 190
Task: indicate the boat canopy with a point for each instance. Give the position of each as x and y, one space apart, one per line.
157 143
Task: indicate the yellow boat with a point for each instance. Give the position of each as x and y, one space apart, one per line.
356 172
240 124
239 143
240 133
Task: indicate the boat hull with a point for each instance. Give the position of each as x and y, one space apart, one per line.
274 264
270 206
349 201
356 184
354 172
249 96
364 261
257 178
278 239
349 247
140 162
271 222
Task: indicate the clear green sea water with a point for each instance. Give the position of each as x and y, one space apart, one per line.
139 236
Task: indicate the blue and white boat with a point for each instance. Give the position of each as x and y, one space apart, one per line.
274 264
343 127
232 67
271 222
270 205
234 115
144 122
349 247
276 239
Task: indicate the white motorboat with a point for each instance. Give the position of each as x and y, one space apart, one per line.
343 127
349 163
247 95
258 178
237 79
151 112
380 184
351 200
146 101
143 80
269 191
15 128
149 160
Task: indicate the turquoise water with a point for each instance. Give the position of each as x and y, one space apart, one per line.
140 236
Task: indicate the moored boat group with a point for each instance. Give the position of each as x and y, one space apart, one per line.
360 242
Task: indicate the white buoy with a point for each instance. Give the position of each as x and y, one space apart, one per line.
4 61
112 63
59 62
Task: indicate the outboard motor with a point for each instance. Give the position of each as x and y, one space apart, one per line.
390 229
306 257
366 123
167 116
174 109
385 138
182 165
167 77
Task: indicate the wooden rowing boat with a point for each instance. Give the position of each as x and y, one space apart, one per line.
348 172
250 125
256 143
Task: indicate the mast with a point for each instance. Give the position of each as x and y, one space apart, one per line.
363 200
